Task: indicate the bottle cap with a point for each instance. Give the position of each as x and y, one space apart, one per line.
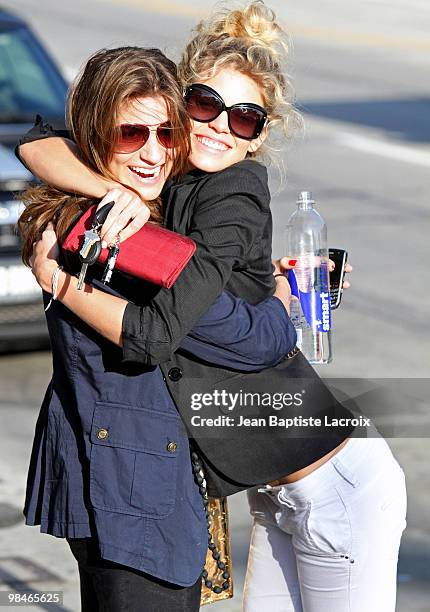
305 199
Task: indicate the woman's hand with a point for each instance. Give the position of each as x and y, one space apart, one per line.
348 268
128 215
283 289
284 264
44 258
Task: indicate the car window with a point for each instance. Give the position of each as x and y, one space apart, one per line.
27 81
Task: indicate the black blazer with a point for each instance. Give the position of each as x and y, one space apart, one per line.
228 215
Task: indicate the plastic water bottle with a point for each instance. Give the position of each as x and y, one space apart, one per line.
306 241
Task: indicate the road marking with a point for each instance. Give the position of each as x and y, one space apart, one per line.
166 7
359 38
384 149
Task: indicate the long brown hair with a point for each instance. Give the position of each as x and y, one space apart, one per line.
109 79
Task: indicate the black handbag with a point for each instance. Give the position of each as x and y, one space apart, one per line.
266 441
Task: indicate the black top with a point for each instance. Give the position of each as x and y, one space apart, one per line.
228 215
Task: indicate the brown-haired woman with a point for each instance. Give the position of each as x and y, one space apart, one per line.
110 467
94 130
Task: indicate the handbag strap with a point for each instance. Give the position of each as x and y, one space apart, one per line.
222 565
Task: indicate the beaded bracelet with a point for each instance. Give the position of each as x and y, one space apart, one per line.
55 275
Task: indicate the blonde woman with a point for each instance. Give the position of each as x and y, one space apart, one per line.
316 530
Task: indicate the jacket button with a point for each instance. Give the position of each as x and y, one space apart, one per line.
171 447
102 434
175 374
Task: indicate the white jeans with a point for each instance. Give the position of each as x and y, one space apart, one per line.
329 542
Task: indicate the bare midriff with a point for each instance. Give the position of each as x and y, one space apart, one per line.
295 476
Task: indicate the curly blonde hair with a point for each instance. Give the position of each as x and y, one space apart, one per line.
250 41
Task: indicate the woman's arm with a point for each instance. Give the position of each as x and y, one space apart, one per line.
56 162
150 333
242 336
51 155
231 333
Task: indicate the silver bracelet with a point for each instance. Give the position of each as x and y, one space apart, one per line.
55 275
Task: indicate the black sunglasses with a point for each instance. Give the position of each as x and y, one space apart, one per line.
204 104
132 136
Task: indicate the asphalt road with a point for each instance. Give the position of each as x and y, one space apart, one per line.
361 78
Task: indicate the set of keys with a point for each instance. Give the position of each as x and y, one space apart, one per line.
92 246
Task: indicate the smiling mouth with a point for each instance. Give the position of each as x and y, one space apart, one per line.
146 174
210 143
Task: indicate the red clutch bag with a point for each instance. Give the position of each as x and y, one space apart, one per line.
154 253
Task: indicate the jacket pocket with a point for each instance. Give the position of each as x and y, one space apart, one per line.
133 462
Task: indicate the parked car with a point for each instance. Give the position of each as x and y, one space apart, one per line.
30 83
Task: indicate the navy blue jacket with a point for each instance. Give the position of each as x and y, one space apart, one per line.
111 455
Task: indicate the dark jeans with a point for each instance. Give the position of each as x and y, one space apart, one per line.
111 587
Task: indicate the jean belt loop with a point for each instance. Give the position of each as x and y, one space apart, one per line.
344 472
285 501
